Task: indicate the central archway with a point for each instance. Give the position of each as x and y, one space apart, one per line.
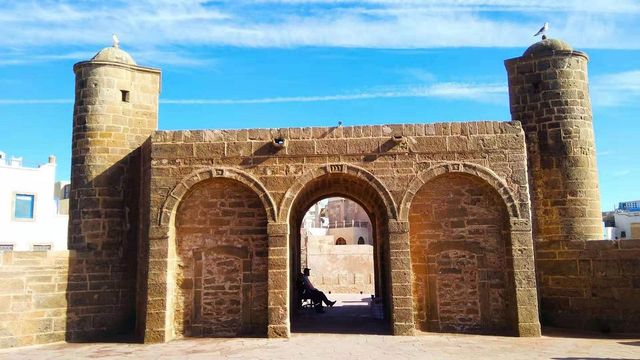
356 186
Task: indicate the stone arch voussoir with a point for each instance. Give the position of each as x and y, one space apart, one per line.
458 167
339 168
182 188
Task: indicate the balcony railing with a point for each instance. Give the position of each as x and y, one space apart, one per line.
348 224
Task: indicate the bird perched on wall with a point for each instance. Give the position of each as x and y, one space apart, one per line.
116 41
543 30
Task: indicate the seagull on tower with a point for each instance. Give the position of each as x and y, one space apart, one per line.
543 29
116 41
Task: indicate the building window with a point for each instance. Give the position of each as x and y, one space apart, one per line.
6 247
341 241
125 95
66 191
623 234
41 247
23 206
360 240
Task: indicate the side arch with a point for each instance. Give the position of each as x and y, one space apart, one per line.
182 188
360 173
473 169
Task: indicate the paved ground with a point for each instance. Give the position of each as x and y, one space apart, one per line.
351 314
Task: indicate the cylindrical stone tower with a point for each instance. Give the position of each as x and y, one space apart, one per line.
116 110
549 94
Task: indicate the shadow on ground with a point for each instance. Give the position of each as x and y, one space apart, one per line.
352 314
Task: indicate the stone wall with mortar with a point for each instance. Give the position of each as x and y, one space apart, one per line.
221 229
108 131
459 231
549 94
392 161
33 297
346 269
591 285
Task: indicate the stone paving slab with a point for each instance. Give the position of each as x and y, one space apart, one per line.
345 346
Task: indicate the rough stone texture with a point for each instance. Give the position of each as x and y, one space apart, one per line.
592 285
346 269
222 272
459 233
549 94
33 302
361 163
129 184
108 131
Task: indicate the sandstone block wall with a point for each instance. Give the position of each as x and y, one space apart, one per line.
549 94
33 297
222 268
108 131
341 269
460 246
591 285
380 167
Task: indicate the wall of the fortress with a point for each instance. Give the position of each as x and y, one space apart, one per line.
222 248
33 297
591 285
459 232
341 268
491 152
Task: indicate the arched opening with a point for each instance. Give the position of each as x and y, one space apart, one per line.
361 241
374 284
460 244
221 270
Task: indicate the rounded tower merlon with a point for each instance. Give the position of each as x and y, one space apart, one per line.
115 111
549 95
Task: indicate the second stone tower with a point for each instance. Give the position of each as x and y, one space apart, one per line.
549 94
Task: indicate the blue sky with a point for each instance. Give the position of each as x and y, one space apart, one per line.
282 63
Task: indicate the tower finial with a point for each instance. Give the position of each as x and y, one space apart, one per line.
116 41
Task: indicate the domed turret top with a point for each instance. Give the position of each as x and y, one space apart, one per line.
547 46
114 53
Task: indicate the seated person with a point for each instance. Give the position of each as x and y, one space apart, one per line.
316 296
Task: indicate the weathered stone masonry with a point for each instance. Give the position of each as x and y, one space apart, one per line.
196 233
383 175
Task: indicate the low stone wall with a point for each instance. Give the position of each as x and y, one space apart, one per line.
33 297
342 269
590 285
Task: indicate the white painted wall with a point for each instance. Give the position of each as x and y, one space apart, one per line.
47 227
623 223
352 234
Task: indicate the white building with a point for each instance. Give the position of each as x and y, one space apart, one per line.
627 225
31 216
624 222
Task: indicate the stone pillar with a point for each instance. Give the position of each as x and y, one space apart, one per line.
278 281
400 266
549 94
524 276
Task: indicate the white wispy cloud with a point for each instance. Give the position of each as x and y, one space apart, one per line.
448 90
171 27
35 101
616 89
466 91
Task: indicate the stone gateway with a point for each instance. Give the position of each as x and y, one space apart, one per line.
477 227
